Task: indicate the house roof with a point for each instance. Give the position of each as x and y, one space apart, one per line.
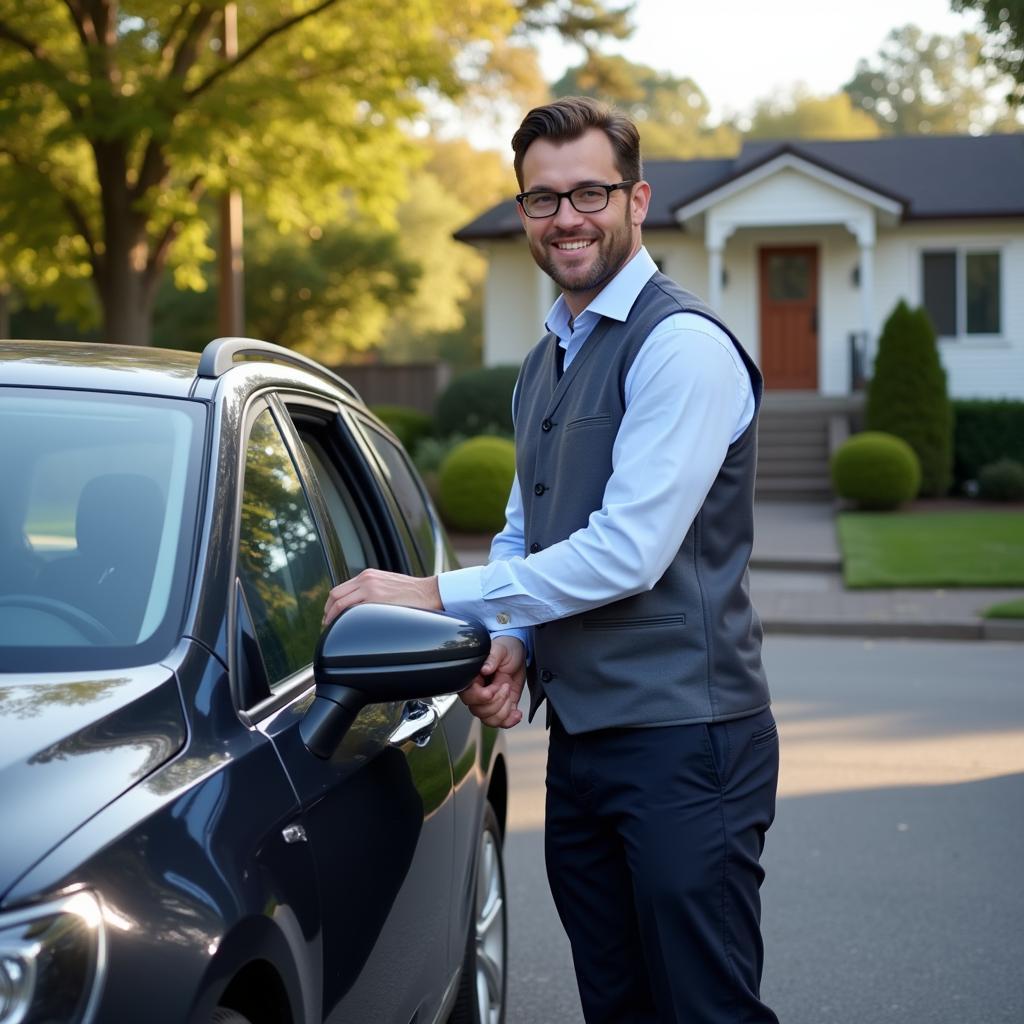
934 177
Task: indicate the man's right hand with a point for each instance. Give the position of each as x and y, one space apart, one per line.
493 696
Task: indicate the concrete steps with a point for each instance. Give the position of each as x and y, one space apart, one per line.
796 435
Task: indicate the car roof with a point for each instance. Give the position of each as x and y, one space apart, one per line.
88 366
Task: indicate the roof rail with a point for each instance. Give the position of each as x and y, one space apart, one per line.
220 354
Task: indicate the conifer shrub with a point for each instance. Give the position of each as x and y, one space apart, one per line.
1001 481
876 471
478 402
907 396
474 483
409 425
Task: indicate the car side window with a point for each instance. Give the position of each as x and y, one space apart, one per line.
412 501
353 535
281 560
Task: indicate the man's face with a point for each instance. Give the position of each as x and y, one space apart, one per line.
581 252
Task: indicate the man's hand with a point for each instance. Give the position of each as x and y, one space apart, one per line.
375 586
493 696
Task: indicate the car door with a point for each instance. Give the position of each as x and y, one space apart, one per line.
378 813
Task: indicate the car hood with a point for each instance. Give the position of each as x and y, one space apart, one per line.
71 744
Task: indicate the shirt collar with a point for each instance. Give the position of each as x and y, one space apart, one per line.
615 300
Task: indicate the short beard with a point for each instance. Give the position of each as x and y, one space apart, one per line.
607 264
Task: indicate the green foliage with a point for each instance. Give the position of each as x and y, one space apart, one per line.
474 484
801 115
1001 481
985 431
931 84
478 402
672 113
907 395
875 470
1004 20
410 426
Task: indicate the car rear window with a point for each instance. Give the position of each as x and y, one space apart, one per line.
97 516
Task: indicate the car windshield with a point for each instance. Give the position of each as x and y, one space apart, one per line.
98 495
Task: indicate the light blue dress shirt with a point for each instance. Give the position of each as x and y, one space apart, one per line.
688 397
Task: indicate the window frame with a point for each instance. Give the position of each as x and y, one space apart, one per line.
285 690
960 253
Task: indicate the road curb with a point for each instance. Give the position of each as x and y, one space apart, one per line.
894 630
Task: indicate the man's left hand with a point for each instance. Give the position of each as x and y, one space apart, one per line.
375 586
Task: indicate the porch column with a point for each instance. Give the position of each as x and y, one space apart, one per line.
544 297
865 233
716 232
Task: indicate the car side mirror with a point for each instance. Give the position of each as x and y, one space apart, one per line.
377 652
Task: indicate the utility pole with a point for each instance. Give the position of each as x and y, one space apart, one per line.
230 266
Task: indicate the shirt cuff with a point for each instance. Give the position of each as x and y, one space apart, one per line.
462 594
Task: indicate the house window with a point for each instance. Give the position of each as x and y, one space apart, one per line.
962 291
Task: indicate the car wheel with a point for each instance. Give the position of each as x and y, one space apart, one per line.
481 998
223 1015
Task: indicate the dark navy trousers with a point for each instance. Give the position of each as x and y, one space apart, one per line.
653 840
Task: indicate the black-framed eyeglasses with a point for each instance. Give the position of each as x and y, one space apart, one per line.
584 199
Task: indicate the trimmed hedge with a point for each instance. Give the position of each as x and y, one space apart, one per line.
474 483
875 470
985 431
1001 481
478 402
907 396
409 425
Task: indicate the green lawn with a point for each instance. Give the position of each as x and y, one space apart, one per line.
1006 610
932 549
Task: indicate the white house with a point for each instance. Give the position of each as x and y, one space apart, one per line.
806 247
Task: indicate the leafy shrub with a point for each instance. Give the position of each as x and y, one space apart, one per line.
409 425
876 470
474 482
1001 481
985 430
907 395
478 402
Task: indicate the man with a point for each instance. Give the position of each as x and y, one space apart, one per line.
625 554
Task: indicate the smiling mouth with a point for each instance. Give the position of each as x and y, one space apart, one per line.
584 243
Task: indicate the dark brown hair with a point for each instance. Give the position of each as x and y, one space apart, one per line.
567 119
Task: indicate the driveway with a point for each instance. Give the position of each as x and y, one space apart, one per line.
893 889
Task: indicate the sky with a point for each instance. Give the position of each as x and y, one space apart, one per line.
739 51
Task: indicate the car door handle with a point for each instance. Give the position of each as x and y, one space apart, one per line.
419 722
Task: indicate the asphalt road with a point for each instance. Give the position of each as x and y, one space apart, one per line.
894 890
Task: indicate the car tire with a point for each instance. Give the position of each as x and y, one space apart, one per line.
225 1015
482 987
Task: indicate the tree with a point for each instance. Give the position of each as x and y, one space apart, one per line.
672 113
801 115
920 83
907 395
115 120
1004 20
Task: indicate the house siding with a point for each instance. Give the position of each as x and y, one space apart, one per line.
517 294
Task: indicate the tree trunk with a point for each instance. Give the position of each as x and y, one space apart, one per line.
127 306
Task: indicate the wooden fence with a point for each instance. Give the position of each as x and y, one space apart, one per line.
415 385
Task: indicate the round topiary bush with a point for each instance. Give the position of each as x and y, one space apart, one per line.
478 402
907 396
408 425
1001 481
876 470
474 482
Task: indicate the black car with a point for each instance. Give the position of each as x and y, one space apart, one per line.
213 809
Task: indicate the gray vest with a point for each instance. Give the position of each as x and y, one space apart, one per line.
688 650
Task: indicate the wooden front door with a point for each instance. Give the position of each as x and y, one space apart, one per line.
789 317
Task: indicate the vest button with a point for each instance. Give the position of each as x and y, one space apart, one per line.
546 676
539 490
534 548
546 426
